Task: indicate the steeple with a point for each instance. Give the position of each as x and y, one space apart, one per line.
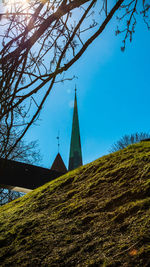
58 164
75 157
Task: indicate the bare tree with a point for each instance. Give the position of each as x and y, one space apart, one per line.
128 140
23 152
7 196
41 40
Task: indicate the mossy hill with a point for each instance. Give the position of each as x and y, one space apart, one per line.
97 215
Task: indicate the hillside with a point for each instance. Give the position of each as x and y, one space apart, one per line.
97 215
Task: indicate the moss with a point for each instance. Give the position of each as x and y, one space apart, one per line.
97 215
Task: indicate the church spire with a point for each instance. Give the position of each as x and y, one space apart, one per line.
58 164
75 157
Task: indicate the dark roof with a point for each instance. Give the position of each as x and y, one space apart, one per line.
18 174
58 164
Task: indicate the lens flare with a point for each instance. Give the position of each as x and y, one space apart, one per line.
23 3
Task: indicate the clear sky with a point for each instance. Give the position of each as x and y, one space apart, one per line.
113 93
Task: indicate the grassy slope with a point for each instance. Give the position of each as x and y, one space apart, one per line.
97 215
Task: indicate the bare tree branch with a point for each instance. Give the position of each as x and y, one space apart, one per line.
41 41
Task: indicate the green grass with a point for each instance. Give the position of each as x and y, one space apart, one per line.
97 215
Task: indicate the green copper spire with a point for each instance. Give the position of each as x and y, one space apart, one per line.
75 158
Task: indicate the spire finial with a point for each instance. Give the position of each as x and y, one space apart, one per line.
58 139
75 88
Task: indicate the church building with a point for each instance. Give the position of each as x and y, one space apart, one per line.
24 177
75 156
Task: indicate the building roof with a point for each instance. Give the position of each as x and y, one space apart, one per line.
58 164
22 175
75 157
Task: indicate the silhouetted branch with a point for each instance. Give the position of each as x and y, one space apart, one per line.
41 41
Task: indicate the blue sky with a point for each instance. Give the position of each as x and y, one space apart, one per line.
113 98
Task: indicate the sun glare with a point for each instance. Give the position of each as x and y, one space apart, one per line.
23 3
